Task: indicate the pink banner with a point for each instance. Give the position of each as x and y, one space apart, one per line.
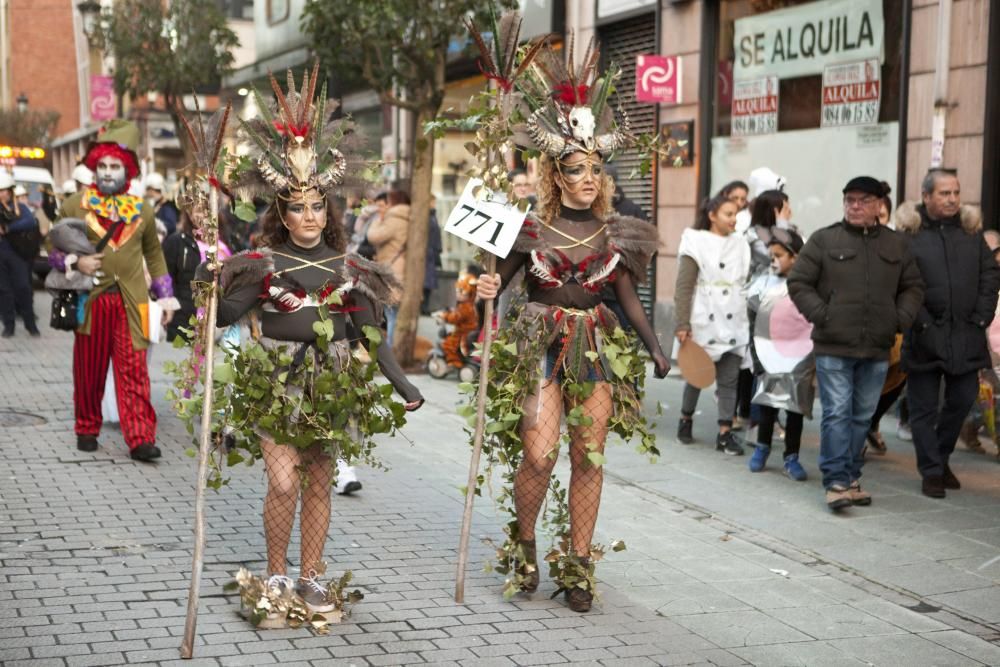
102 97
658 79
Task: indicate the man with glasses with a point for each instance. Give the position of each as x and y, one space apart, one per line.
858 284
948 340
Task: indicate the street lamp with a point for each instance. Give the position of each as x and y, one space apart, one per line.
90 10
22 102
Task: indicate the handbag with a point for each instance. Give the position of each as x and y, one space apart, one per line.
66 302
63 317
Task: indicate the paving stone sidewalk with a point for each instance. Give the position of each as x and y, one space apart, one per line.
95 557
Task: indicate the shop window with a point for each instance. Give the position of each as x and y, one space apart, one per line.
277 11
799 98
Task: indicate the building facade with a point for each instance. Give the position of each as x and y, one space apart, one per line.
817 91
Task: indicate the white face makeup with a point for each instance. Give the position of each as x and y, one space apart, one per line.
305 218
110 175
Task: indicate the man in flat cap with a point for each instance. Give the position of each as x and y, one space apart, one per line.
858 284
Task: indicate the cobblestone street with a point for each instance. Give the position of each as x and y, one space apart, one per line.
722 567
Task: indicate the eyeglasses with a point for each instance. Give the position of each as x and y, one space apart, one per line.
576 172
867 200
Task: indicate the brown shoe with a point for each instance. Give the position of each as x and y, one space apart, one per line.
949 479
859 497
579 600
933 487
838 497
530 584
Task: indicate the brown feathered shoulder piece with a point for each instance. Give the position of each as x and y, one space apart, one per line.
530 236
249 267
373 279
635 240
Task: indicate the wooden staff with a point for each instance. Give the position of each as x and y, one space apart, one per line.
190 623
477 441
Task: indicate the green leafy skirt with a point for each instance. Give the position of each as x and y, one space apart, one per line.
583 347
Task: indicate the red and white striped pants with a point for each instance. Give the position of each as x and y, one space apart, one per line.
110 339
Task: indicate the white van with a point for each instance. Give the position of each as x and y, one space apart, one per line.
33 178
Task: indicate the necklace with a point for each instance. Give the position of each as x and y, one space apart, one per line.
576 241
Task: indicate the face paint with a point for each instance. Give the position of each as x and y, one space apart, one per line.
110 175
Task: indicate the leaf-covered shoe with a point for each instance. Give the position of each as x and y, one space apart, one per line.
313 594
580 599
529 567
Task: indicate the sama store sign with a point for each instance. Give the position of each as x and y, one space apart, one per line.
658 79
804 40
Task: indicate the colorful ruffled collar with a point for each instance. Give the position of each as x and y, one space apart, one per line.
128 207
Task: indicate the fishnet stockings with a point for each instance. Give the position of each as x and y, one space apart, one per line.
289 472
540 440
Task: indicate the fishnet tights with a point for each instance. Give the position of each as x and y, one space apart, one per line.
289 472
541 447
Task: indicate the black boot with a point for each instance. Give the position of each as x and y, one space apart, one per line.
8 331
86 443
146 452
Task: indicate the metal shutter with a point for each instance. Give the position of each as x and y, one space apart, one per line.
621 42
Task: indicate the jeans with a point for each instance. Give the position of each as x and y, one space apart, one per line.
848 391
390 322
936 425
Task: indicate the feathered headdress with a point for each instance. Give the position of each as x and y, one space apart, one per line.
293 145
568 105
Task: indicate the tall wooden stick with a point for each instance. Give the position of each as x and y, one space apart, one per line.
477 442
191 622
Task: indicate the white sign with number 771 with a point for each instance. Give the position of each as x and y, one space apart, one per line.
488 221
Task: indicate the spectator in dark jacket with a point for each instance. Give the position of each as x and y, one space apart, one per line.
858 284
948 340
432 261
18 248
182 254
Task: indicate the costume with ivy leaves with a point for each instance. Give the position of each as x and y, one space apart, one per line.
564 335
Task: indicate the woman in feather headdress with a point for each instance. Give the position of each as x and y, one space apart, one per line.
571 356
298 393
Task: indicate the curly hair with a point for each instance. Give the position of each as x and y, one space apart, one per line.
274 232
550 195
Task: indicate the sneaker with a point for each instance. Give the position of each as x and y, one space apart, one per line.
739 423
758 459
726 442
903 432
933 487
949 479
313 594
794 469
347 479
684 431
274 620
86 443
859 497
838 497
145 452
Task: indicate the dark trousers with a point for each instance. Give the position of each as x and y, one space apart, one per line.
793 428
15 288
935 425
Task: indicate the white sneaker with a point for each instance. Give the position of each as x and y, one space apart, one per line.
903 432
347 479
313 594
274 620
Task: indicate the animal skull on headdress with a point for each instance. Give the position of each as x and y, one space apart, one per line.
581 125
